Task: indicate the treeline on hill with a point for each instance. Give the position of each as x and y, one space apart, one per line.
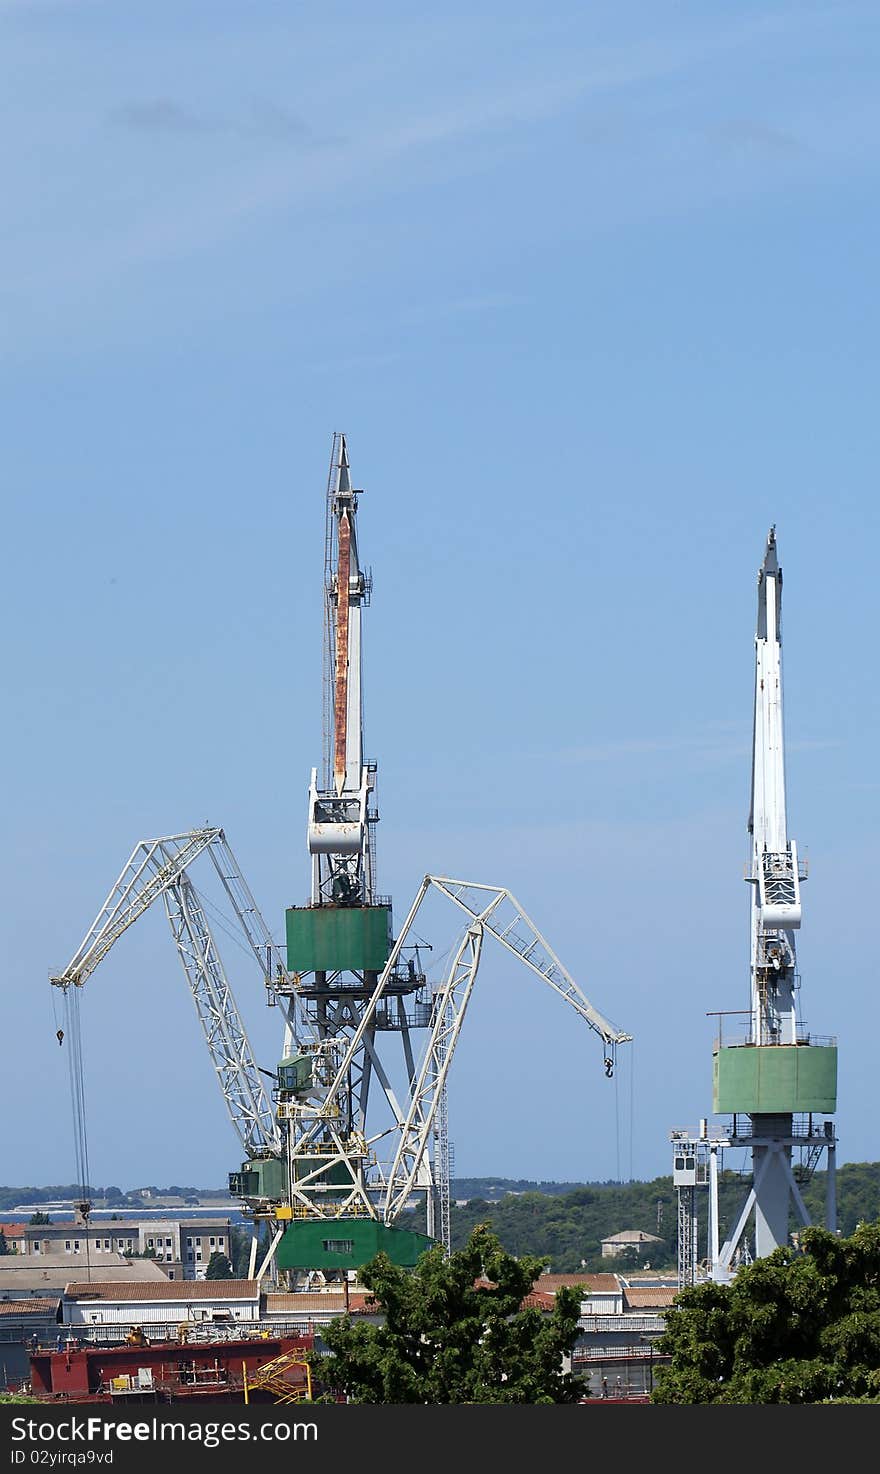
566 1226
111 1197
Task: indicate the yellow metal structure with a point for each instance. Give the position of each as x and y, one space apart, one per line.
273 1377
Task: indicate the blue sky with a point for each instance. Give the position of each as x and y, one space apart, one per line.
591 289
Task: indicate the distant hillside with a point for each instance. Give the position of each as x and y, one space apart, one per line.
490 1189
566 1222
568 1228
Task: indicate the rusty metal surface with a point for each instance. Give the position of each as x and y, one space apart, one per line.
341 685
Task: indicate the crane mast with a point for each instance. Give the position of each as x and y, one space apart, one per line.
341 829
366 1137
775 873
781 1078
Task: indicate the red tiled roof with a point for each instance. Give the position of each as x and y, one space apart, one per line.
593 1284
13 1230
538 1300
599 1282
170 1290
44 1306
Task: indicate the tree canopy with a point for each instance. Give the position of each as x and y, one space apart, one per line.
219 1267
453 1330
797 1326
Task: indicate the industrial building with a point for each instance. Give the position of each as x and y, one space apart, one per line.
183 1247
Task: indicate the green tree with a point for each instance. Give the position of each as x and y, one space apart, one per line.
454 1331
39 1218
794 1327
4 1247
219 1267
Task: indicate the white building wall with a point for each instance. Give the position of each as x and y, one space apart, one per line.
155 1312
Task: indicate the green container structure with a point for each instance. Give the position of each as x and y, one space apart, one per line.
348 1243
338 1174
338 938
295 1073
777 1079
265 1177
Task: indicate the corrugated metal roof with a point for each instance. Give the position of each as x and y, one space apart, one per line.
642 1299
171 1290
28 1273
46 1306
308 1302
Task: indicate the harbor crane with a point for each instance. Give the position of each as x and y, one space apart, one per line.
351 1138
779 1082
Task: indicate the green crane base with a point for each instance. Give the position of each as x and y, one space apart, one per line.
778 1079
347 1243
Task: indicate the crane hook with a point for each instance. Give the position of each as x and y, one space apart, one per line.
609 1067
60 1036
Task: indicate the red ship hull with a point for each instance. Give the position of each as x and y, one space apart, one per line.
163 1372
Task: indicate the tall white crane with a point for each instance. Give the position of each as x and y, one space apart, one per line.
781 1078
364 1138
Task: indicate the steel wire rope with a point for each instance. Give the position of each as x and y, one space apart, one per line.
224 922
76 1077
632 1072
617 1121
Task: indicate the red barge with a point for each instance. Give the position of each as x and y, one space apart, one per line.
270 1369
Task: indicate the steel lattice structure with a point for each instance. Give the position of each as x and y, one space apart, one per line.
339 1139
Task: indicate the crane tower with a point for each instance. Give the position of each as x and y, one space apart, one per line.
780 1079
362 1143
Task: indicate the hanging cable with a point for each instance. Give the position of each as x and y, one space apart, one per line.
73 1035
632 1075
617 1122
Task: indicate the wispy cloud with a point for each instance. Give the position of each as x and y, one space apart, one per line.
463 306
751 136
160 115
263 119
713 746
355 363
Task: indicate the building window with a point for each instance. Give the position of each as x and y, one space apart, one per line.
189 1243
338 1246
198 1256
149 1243
67 1246
106 1243
189 1255
211 1242
167 1243
76 1246
221 1241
